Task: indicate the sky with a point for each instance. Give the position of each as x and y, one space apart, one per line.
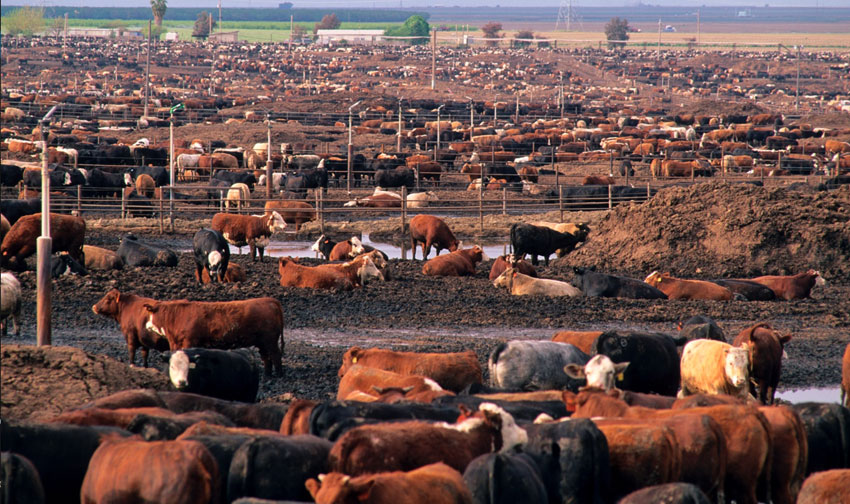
423 3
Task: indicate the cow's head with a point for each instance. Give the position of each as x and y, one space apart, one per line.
819 281
511 434
737 364
337 488
178 369
108 306
505 279
600 372
215 265
349 359
275 222
356 246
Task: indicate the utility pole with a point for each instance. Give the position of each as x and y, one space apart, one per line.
433 58
698 29
65 35
148 70
658 50
350 145
219 17
44 246
269 156
797 91
291 28
398 137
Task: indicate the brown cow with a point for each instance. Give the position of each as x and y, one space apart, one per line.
790 287
4 227
360 270
293 274
292 211
429 170
826 487
68 234
234 274
347 249
472 170
366 380
379 200
145 185
845 377
226 324
452 371
119 417
766 347
504 262
457 263
129 311
241 230
98 258
790 453
583 340
297 418
430 484
598 180
678 288
158 471
431 231
404 446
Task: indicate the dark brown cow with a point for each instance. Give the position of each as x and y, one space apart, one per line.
297 418
431 231
797 286
226 324
67 232
129 311
790 453
452 371
241 230
234 274
159 471
679 288
598 180
293 274
98 258
292 211
766 347
457 263
529 174
501 263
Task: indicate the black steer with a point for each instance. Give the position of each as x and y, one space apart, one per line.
701 327
752 291
395 177
537 240
231 375
211 253
63 264
158 173
14 209
596 284
135 253
504 478
10 174
236 178
20 478
652 357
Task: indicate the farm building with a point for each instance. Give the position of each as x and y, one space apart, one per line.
351 36
232 36
104 33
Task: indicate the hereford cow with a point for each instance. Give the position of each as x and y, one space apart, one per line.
98 258
212 254
797 286
129 311
10 302
678 288
534 365
67 232
430 484
145 185
592 283
523 285
347 249
226 324
372 381
293 274
231 375
457 263
501 263
405 446
431 231
766 347
181 470
241 230
534 240
453 371
714 367
599 372
359 271
293 212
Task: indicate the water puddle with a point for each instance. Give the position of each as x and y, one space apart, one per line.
407 337
814 394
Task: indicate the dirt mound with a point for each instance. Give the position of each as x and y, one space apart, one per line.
714 107
724 230
39 382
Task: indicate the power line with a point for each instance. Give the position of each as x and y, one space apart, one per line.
567 14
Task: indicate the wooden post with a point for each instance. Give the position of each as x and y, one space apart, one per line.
79 201
481 205
123 204
610 202
321 209
161 216
647 190
403 211
504 201
561 203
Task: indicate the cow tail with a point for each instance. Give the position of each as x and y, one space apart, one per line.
494 361
767 469
513 237
492 468
281 329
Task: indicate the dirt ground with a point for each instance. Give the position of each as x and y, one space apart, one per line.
416 312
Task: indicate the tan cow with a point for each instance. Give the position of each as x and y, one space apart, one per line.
524 285
715 367
453 371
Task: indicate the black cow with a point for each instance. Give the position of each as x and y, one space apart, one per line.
136 254
58 177
158 428
654 361
395 177
113 155
139 205
21 482
701 327
63 264
626 167
222 448
680 493
257 416
255 468
595 284
827 428
752 291
10 174
102 184
232 177
226 374
211 253
158 173
521 410
505 478
15 209
573 460
144 156
314 178
503 171
326 416
537 240
60 453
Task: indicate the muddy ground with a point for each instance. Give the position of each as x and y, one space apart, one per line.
414 312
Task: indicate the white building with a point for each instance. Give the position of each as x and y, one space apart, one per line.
325 37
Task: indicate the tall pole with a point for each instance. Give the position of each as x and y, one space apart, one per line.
148 70
65 34
658 50
433 59
438 131
291 29
797 91
171 166
698 29
269 157
495 113
44 246
398 137
219 16
350 146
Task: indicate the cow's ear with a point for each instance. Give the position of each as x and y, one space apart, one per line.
362 489
151 308
575 371
570 401
785 338
619 369
313 486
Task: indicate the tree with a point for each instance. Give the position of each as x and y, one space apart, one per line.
617 32
298 32
55 26
414 26
202 25
491 30
25 21
524 34
158 7
328 22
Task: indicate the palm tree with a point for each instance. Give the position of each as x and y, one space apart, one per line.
158 8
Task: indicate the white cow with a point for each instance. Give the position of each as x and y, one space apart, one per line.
600 372
524 285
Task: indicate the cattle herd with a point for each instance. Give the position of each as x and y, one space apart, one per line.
629 416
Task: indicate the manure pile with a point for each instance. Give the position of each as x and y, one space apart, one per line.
724 230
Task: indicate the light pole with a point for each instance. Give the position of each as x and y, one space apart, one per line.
269 156
398 137
44 246
797 91
438 130
350 145
471 115
171 111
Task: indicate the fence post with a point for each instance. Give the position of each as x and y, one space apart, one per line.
79 200
403 219
561 203
161 216
481 205
123 204
321 209
610 205
647 190
504 201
